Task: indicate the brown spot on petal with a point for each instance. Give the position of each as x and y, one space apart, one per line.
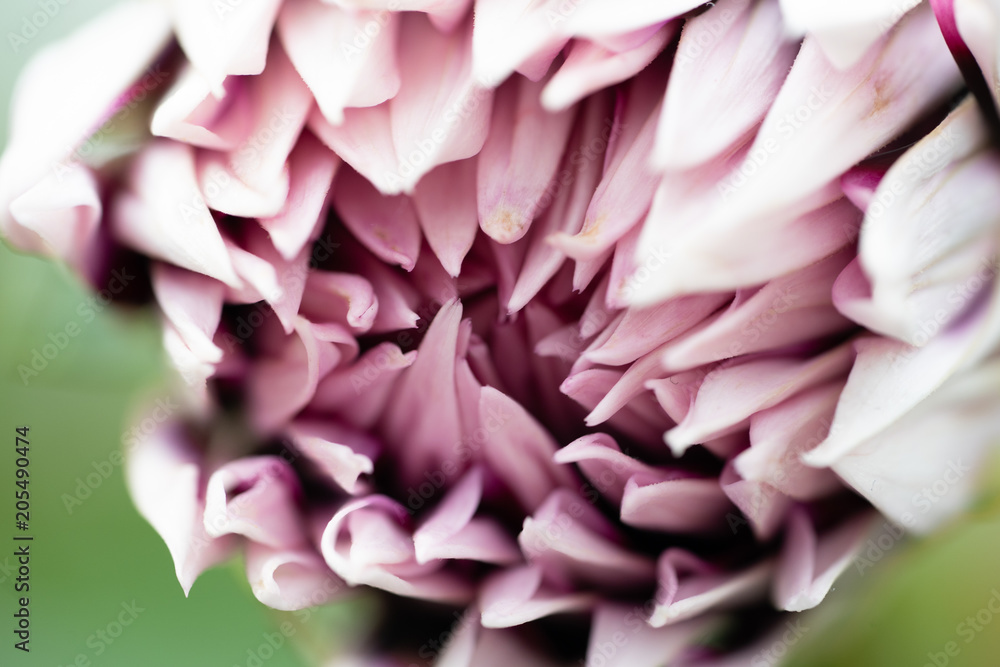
882 95
591 231
504 225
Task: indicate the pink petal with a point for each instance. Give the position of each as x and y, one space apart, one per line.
844 30
732 394
281 103
780 435
729 67
518 160
514 596
643 646
445 200
360 392
441 113
344 455
221 39
679 505
890 378
924 266
574 542
589 67
859 183
764 506
258 497
810 565
165 216
366 543
690 586
425 436
628 183
191 113
192 303
311 170
444 14
280 387
508 35
452 532
224 191
916 471
792 309
164 475
64 211
589 387
344 298
603 463
642 330
58 103
600 19
385 225
565 201
347 58
519 449
815 132
290 579
269 276
364 141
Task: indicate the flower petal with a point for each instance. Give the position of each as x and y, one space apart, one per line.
729 67
347 58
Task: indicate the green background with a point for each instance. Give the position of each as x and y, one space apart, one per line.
87 563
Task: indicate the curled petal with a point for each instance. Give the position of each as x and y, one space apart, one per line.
289 579
689 586
452 532
810 564
517 595
574 542
366 543
343 454
732 394
257 497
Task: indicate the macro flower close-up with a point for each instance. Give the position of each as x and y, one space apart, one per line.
561 332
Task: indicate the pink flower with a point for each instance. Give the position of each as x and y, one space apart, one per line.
578 316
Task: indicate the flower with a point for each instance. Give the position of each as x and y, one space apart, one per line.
579 316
